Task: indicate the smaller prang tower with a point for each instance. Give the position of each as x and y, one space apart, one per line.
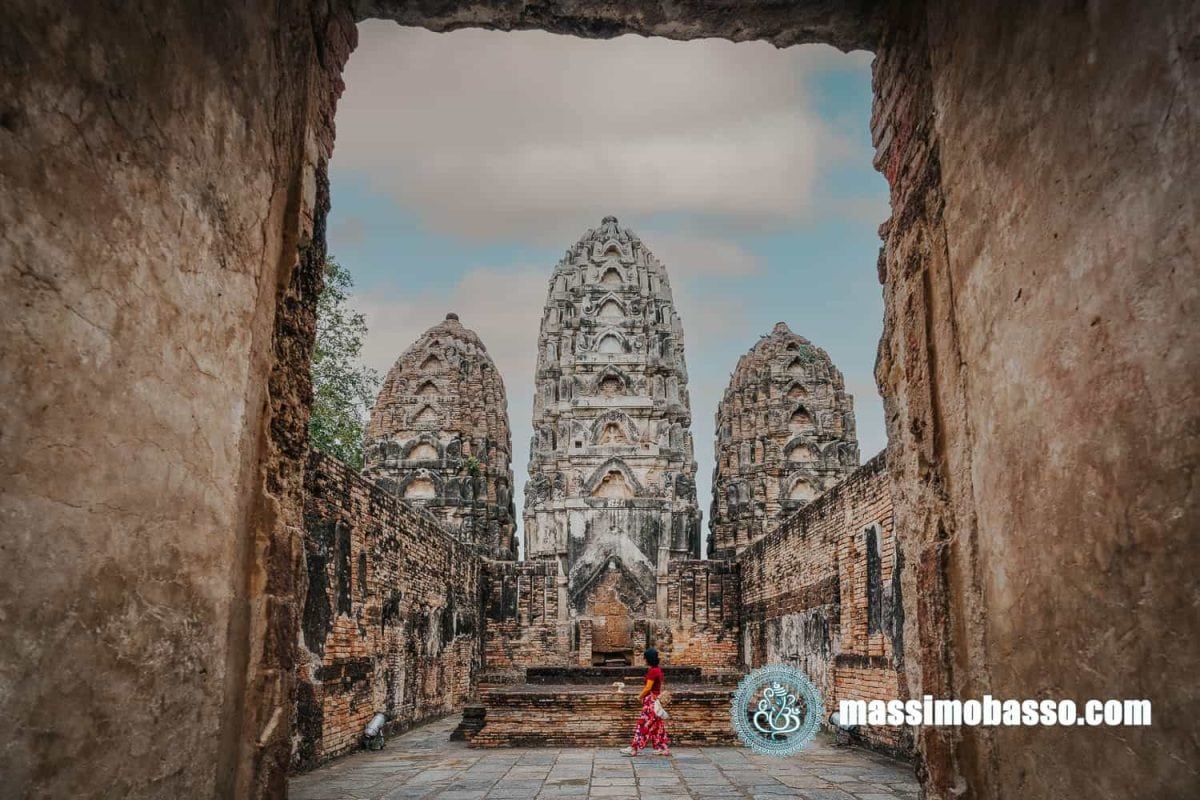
439 437
785 434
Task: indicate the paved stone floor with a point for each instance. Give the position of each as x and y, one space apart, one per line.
425 764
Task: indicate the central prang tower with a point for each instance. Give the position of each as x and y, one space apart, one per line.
612 492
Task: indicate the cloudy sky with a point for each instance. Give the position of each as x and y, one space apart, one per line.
466 163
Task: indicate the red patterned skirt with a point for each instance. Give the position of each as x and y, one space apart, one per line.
651 729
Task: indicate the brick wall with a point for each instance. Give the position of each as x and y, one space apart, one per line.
522 627
703 605
391 623
521 611
822 593
919 367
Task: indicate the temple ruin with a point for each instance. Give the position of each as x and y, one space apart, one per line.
400 619
438 437
164 203
785 434
611 497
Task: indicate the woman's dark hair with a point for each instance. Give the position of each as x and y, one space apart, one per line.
651 656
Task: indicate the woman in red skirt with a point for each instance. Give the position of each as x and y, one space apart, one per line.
651 729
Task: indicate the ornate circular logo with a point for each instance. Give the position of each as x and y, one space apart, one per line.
776 710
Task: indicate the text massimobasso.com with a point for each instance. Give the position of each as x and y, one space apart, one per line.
993 711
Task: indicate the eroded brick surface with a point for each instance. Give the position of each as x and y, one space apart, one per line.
391 622
785 433
822 592
439 437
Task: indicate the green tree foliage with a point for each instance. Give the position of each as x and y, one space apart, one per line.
343 387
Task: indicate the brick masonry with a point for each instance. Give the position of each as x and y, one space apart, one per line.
521 619
391 623
404 619
439 437
1040 292
822 592
703 609
524 628
785 433
570 716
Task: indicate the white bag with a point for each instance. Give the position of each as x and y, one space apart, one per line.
659 711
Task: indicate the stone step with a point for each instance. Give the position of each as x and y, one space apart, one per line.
573 715
471 723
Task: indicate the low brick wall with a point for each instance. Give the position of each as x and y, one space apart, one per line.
521 611
522 627
589 716
703 609
822 593
392 620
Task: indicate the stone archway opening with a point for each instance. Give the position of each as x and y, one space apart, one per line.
608 306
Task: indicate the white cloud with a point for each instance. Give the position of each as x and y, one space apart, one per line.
522 135
702 255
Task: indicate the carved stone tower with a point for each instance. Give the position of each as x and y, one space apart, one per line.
439 437
612 491
785 434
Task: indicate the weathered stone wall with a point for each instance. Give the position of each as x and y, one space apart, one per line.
162 219
392 619
1041 374
847 24
822 592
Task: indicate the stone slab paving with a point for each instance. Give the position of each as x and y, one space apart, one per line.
424 763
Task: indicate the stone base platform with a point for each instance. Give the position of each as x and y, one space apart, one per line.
583 715
632 677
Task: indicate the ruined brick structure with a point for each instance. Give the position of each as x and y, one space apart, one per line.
701 628
785 433
611 496
1040 368
823 592
582 715
391 621
439 437
522 615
